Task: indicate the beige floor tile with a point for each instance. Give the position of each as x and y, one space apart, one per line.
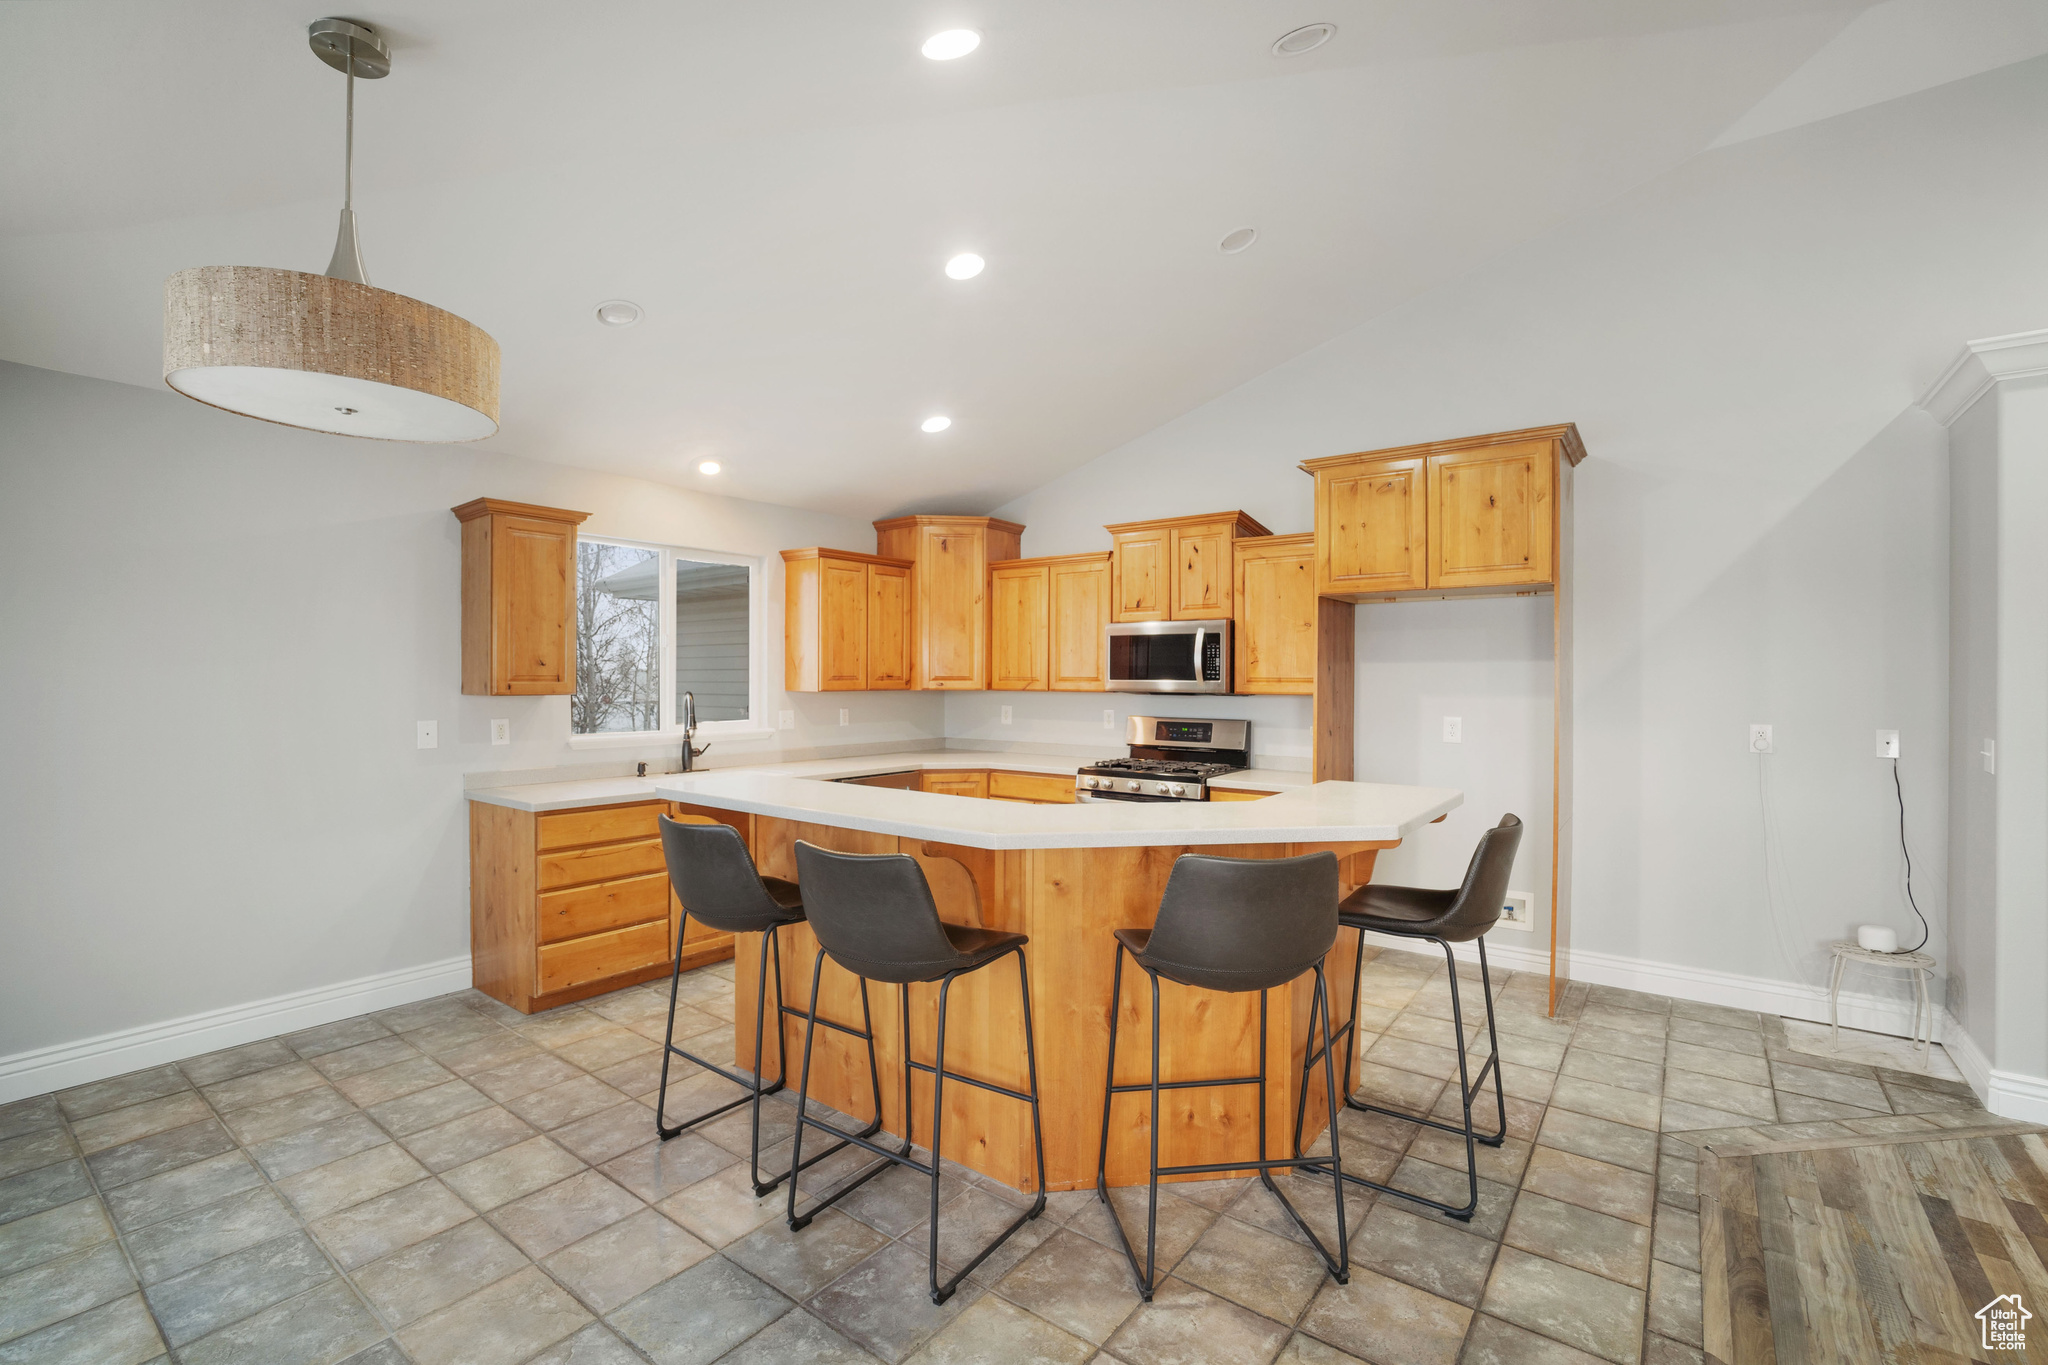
506 1175
1607 1102
700 1314
616 1264
549 1219
1378 1318
502 1324
460 1141
120 1332
1184 1323
1423 1249
1614 1248
723 1208
117 1127
443 1269
1590 1184
1076 1283
351 1180
390 1221
993 1332
1574 1306
1493 1342
1269 1274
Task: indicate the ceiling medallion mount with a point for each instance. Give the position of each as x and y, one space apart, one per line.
330 352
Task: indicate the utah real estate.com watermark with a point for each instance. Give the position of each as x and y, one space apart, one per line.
2005 1323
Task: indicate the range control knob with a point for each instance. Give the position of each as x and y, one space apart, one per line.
1091 782
1161 788
1179 790
1130 786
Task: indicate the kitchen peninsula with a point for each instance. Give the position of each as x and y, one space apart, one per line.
1066 875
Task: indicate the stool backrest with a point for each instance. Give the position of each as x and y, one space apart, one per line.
1244 924
714 877
873 914
1485 888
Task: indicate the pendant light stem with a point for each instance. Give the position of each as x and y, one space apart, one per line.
347 263
348 158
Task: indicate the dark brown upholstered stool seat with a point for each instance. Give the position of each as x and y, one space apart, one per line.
716 883
1232 924
1462 914
874 916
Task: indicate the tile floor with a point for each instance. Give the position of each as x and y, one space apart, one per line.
455 1182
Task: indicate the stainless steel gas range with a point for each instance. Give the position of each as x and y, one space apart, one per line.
1170 760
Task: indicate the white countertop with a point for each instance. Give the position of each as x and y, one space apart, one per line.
614 791
1327 812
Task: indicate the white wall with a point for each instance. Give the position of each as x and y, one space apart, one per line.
219 636
1761 529
1973 719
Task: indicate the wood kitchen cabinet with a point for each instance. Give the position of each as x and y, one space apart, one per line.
955 782
949 559
1276 614
1045 624
1177 568
846 624
569 904
1473 514
518 598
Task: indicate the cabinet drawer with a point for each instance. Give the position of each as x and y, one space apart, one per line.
596 956
953 782
606 862
1030 787
570 828
607 905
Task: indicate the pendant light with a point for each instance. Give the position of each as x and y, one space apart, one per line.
330 352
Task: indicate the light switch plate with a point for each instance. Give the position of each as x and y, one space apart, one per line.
785 720
1454 729
501 732
429 735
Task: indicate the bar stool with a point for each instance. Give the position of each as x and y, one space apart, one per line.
874 916
1442 917
1237 925
717 884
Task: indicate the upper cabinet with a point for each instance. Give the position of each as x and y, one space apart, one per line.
1045 624
1178 568
846 622
518 598
1477 513
1276 614
949 559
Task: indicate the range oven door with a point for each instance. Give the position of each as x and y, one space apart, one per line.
1130 796
1168 656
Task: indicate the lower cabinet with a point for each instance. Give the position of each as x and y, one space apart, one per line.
1035 787
953 782
570 904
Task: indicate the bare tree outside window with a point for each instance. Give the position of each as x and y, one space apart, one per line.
618 640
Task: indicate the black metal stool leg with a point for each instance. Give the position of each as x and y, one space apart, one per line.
796 1162
752 1080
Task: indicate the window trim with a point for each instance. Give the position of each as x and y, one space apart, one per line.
670 730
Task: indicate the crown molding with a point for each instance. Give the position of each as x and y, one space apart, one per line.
1982 365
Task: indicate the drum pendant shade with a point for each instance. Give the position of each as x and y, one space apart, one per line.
328 354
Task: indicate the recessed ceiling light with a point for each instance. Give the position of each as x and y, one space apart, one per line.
708 467
954 42
932 424
619 313
965 266
1237 240
1307 38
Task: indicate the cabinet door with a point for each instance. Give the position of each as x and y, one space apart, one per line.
1490 516
952 573
1276 622
1019 631
888 651
973 784
843 626
1140 573
1201 571
533 579
1371 531
1080 609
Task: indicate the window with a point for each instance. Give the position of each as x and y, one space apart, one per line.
640 648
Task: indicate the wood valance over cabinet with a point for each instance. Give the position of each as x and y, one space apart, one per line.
518 598
1177 568
1045 624
1479 513
949 599
846 624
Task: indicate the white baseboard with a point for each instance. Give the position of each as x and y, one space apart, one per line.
2008 1094
37 1072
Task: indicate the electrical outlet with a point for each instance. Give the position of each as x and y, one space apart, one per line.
1006 715
1887 743
785 720
1515 912
1108 718
501 732
429 735
1760 739
1990 755
1454 730
845 716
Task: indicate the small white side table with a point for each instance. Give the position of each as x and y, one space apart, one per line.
1920 966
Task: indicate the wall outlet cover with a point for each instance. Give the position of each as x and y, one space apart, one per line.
1759 739
1454 729
429 736
785 720
501 732
845 716
1108 718
1887 743
1515 912
1006 715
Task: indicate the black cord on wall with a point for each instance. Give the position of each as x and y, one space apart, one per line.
1925 931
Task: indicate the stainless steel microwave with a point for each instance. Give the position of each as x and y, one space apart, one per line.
1168 656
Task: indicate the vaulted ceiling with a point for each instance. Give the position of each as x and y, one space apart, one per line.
779 187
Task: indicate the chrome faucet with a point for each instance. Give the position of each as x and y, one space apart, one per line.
690 755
